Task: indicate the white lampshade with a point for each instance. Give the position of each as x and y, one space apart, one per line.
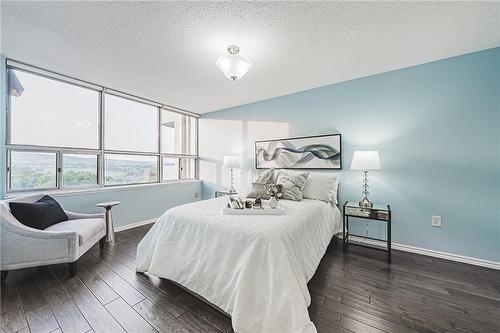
365 160
233 65
231 162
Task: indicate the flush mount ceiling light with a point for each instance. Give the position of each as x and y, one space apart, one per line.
233 65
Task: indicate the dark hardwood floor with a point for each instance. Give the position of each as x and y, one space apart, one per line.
353 292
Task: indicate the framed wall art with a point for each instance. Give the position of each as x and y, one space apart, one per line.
311 152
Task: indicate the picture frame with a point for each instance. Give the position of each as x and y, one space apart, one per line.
322 152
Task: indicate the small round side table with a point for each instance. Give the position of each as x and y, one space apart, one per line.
110 230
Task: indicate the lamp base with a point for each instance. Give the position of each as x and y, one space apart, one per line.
365 203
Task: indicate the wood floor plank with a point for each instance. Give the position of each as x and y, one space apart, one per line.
66 312
158 318
104 293
120 286
373 319
212 316
38 313
195 324
357 326
94 312
12 314
141 283
24 330
128 318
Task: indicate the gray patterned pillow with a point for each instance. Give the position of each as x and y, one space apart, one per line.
292 184
263 177
257 188
258 191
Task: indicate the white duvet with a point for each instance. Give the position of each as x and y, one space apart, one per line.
255 268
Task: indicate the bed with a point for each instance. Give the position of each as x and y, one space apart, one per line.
255 268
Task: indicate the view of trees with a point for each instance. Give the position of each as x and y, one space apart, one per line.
38 170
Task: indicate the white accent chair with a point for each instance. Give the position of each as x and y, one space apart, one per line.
64 242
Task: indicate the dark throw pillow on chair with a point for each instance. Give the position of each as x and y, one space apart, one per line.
40 214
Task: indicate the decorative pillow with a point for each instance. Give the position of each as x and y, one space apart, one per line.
263 177
257 187
40 214
322 186
258 191
292 184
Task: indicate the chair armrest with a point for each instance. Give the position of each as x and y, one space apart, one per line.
24 231
78 216
23 246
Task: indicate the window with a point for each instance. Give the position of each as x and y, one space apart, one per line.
32 170
47 112
130 125
178 133
188 168
64 133
80 170
170 168
130 169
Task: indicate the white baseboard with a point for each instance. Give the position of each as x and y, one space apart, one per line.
135 224
436 254
448 256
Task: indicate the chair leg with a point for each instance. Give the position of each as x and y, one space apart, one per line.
102 242
72 268
4 275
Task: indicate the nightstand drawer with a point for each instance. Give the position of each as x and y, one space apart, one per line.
367 213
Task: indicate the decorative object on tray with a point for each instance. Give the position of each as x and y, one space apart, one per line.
232 162
235 202
313 152
255 209
257 203
274 192
365 160
292 184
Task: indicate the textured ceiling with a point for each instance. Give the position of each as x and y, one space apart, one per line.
166 51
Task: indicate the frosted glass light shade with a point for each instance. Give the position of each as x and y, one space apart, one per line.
231 162
233 65
365 160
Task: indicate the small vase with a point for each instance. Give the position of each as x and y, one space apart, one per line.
273 203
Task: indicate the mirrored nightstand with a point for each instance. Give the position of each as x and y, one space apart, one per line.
379 213
223 193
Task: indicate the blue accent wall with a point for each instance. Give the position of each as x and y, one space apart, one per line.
436 126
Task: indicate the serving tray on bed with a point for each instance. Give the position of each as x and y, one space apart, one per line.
280 210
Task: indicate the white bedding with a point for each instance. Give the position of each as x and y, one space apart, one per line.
255 268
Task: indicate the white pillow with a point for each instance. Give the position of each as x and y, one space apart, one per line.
322 186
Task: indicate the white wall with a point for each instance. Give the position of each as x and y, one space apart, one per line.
219 137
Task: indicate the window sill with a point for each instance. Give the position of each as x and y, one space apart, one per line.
59 193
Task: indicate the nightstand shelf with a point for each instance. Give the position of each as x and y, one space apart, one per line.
223 193
377 212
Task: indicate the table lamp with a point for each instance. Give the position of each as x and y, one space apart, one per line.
365 160
232 162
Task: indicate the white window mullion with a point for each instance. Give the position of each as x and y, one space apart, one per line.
100 165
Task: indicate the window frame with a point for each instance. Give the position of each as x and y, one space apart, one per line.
100 151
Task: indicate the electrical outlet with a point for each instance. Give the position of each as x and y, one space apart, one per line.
436 221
